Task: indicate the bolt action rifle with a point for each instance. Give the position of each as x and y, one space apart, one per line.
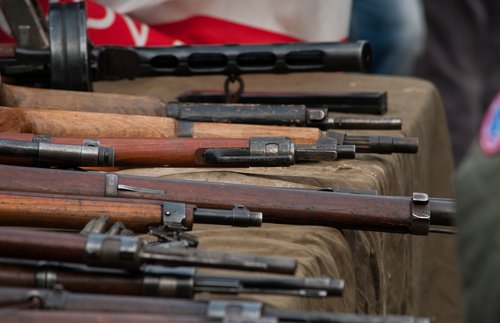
417 214
294 113
91 124
157 281
182 309
291 115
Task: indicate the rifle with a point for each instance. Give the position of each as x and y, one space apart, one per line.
209 310
18 96
126 252
71 62
92 124
28 149
417 214
73 212
157 281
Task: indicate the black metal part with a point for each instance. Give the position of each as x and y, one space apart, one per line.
420 214
275 114
230 59
321 118
308 287
239 216
69 59
362 102
294 115
169 238
130 253
346 151
377 144
175 214
46 153
324 149
276 151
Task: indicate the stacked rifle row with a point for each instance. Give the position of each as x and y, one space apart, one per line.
133 258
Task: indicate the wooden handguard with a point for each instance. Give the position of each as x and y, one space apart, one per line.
91 124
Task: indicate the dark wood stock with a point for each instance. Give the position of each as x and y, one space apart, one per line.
133 152
281 205
92 124
80 282
37 245
73 212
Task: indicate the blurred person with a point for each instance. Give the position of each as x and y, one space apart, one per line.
458 47
395 29
478 220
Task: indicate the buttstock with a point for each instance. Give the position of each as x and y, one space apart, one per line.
84 124
19 96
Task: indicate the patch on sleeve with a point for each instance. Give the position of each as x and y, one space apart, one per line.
489 135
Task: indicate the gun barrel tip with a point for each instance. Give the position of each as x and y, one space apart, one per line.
407 145
256 219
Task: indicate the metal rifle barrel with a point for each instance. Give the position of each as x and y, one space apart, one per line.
443 211
312 287
58 154
377 144
231 59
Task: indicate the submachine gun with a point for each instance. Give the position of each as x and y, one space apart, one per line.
69 61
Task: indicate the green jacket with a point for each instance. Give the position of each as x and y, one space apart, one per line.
478 220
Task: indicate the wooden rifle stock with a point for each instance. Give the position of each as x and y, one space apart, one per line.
295 206
89 124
